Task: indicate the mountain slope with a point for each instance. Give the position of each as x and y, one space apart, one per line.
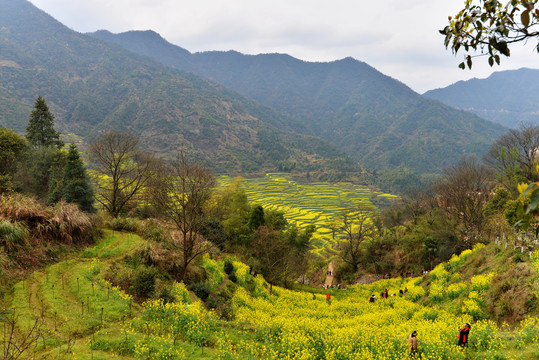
374 118
506 97
92 86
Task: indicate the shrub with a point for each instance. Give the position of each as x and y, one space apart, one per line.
242 273
13 236
437 290
439 273
201 290
153 230
144 282
5 184
180 293
481 283
166 295
144 211
214 271
454 290
213 302
228 267
123 224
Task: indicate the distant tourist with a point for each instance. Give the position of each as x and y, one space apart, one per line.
372 298
328 299
464 332
412 343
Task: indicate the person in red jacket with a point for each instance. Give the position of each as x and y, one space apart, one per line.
328 298
464 332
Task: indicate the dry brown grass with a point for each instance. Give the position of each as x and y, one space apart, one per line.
32 233
69 223
63 223
17 207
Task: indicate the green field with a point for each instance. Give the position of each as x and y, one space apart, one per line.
308 204
80 315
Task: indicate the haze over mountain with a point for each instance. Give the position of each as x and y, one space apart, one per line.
506 97
92 86
374 118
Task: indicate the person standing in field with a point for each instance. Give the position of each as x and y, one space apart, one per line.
412 343
464 332
328 298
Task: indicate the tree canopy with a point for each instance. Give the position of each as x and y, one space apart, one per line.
491 27
76 183
40 131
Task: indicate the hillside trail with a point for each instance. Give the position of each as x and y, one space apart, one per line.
329 275
61 323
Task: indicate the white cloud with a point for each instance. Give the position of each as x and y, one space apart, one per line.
399 38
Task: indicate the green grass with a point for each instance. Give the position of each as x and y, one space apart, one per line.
80 315
75 330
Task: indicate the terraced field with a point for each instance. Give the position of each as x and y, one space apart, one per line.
317 204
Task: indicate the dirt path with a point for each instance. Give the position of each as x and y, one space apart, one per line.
329 274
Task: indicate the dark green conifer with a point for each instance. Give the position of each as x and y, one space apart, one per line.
40 131
76 186
256 218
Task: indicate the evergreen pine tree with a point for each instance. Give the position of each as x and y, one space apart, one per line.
40 131
76 186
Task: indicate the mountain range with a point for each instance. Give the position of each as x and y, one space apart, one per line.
377 120
509 98
242 114
92 86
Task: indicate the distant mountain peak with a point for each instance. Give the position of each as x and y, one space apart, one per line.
509 97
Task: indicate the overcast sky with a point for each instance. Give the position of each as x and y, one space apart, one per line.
398 37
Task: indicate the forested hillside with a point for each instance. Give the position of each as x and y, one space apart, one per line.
92 86
508 97
374 118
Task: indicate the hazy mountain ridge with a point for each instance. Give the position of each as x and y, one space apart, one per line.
374 118
507 97
92 86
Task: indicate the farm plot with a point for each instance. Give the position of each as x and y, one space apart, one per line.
317 204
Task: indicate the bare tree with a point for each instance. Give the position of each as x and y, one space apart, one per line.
357 228
182 191
16 342
463 190
122 168
514 155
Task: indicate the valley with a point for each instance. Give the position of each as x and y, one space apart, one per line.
158 203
